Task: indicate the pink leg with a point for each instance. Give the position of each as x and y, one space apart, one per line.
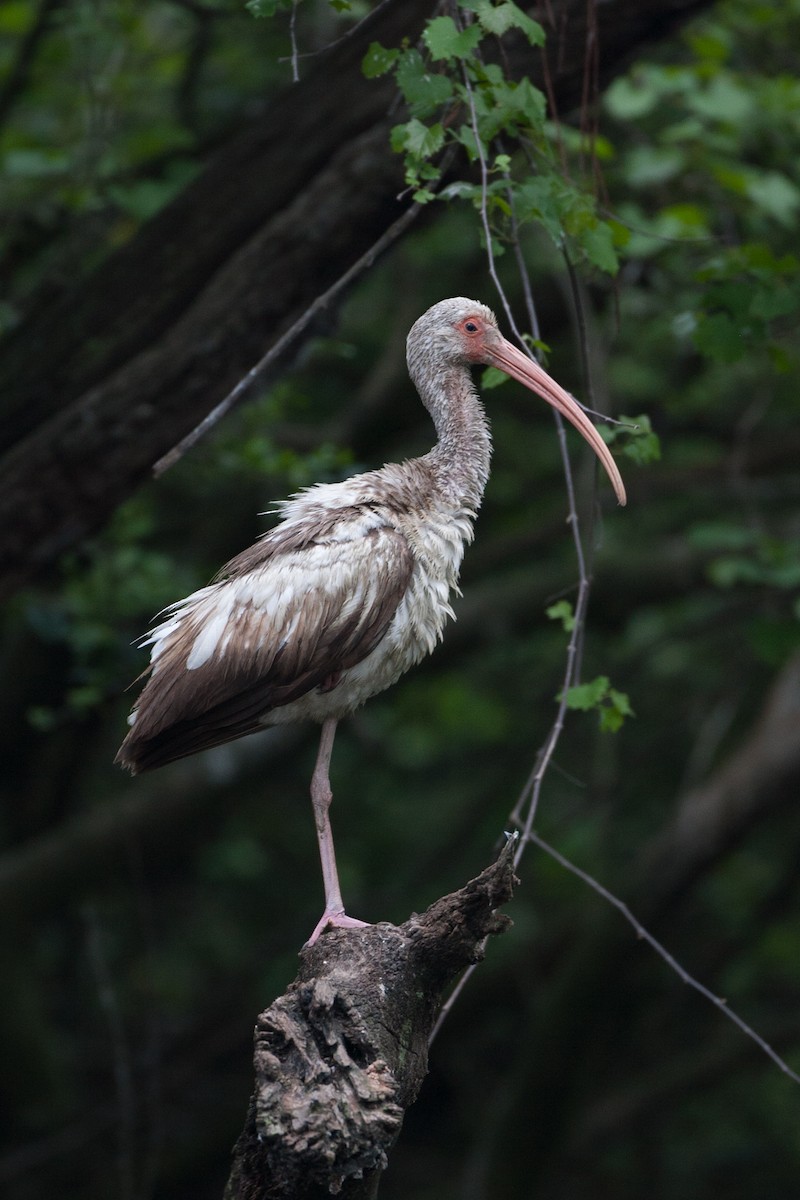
321 797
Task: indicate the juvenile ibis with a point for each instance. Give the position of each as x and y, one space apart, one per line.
351 587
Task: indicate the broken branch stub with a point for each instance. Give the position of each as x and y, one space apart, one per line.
342 1054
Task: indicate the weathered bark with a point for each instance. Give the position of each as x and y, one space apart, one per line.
343 1053
105 377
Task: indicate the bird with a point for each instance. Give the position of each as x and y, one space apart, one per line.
351 587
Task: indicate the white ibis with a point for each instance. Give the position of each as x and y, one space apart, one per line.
349 590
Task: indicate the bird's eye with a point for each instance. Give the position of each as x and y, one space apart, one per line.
470 327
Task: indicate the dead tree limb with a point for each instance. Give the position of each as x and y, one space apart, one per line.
343 1053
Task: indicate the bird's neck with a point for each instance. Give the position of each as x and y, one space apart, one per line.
460 459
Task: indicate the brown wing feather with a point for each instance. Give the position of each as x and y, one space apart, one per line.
290 614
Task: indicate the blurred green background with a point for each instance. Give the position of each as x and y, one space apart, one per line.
134 962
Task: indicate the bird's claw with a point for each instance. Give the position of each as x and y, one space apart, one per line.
335 920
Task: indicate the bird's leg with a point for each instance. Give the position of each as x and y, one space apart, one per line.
321 797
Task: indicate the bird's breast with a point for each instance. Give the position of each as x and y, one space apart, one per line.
437 543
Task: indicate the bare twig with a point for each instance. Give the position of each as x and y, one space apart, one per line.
718 1001
293 39
532 789
283 343
345 37
524 813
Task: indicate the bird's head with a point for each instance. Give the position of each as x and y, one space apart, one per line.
461 332
456 331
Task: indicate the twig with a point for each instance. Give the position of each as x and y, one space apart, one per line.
718 1001
532 790
293 39
344 37
285 341
533 787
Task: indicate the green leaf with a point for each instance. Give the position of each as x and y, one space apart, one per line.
499 18
562 611
613 713
585 696
539 199
638 441
649 166
776 194
723 99
378 60
611 705
492 378
630 98
424 91
507 107
417 139
445 40
597 243
466 136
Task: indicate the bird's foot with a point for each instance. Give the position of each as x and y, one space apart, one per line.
338 919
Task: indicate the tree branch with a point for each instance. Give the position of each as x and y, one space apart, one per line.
343 1053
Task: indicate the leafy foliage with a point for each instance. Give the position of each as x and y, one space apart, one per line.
479 108
599 696
562 611
639 442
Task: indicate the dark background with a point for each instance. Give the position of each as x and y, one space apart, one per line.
171 204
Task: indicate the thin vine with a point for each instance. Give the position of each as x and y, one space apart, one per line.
539 192
456 100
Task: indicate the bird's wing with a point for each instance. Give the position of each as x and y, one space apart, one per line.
288 617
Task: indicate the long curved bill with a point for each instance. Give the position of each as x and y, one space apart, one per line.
513 362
